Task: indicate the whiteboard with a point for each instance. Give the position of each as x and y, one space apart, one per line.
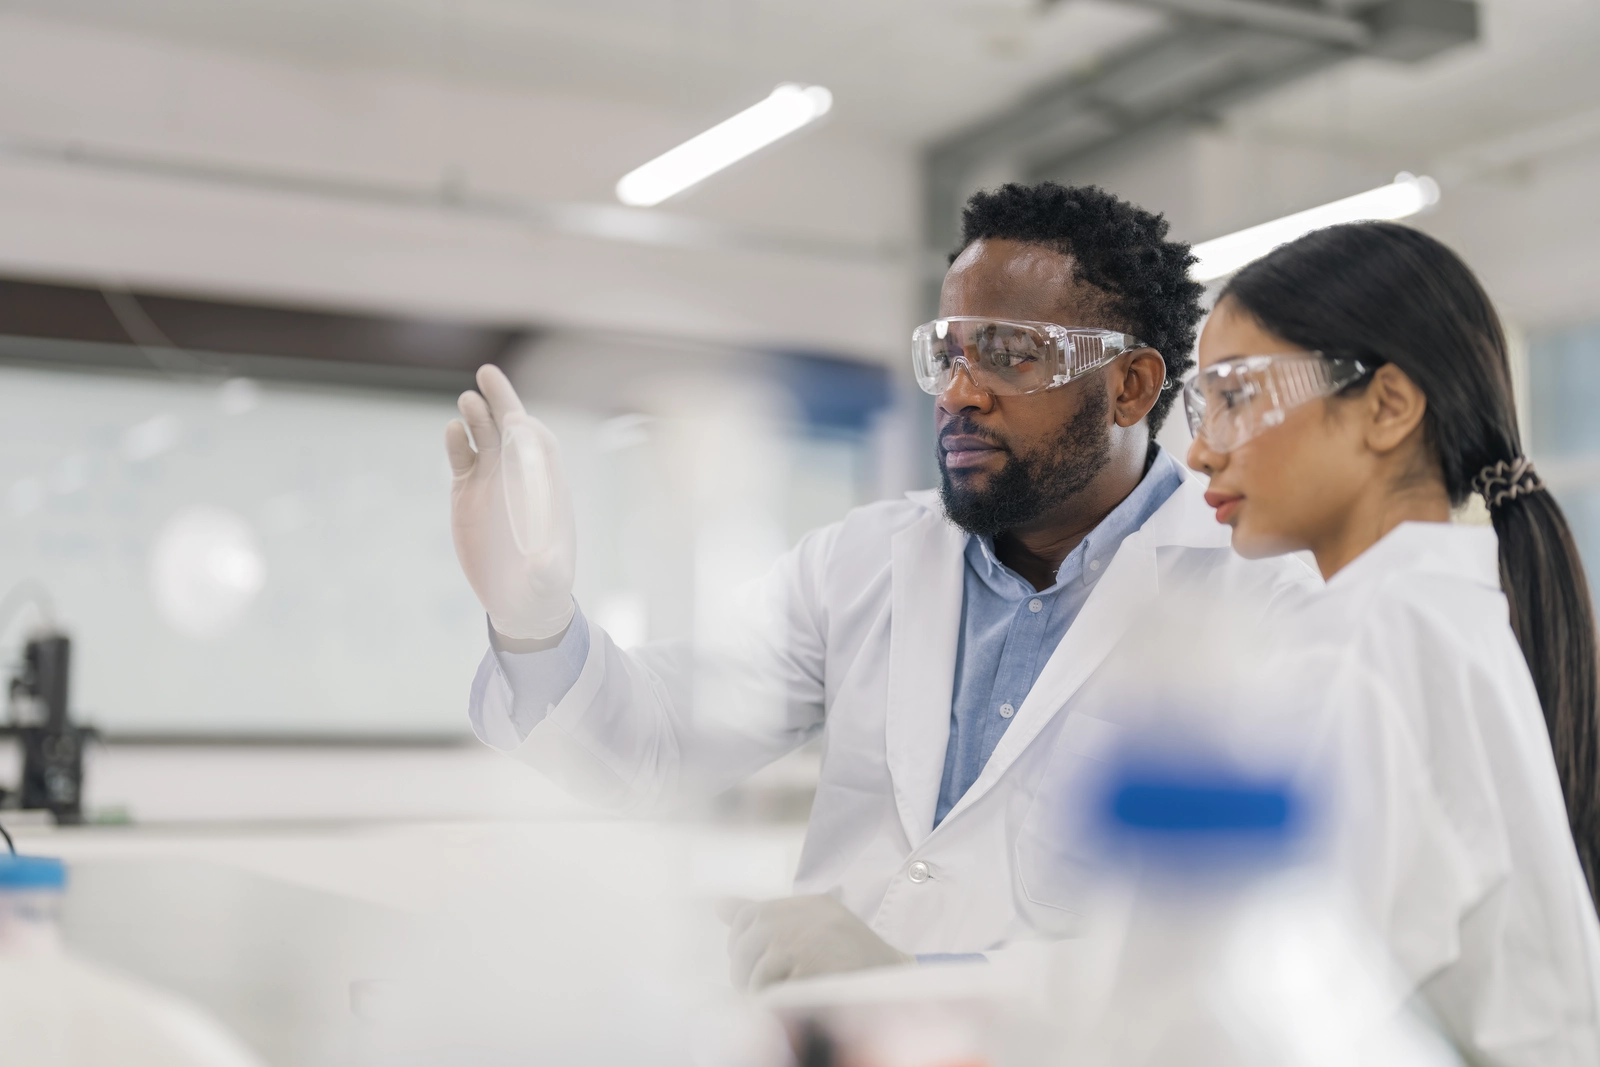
327 508
360 622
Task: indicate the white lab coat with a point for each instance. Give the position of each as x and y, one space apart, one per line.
1456 841
871 609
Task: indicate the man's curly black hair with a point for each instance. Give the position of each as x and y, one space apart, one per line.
1116 247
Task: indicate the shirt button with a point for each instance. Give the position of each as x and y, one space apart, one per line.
1006 711
1035 605
918 872
1094 564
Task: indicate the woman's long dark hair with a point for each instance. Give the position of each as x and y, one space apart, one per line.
1385 293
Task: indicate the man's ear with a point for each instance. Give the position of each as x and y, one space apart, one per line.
1137 384
1394 409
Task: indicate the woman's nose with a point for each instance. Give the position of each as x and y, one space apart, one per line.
1203 458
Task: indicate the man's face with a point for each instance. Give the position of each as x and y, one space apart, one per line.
1005 460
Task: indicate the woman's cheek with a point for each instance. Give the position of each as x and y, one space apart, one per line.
1259 531
1252 538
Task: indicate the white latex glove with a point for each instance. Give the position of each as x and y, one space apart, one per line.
799 937
511 512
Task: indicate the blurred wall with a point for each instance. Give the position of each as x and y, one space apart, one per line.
133 160
165 164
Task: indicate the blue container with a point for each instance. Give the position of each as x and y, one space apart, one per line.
32 874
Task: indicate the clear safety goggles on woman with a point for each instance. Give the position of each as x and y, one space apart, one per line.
1236 399
1010 358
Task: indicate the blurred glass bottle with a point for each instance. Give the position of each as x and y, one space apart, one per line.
58 1011
1202 828
1238 948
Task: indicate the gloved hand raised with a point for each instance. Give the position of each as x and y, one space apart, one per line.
799 937
511 512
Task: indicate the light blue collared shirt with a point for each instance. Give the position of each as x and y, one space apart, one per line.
1004 642
1009 630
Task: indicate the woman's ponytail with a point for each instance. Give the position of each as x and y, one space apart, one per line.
1553 618
1385 293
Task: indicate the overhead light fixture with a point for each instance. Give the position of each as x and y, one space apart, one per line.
788 108
1405 196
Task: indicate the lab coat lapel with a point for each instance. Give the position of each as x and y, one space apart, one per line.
924 627
1128 588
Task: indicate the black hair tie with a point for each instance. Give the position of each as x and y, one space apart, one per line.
1503 481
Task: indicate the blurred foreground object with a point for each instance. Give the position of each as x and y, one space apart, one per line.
800 937
580 944
56 1011
52 746
1216 821
1237 951
1217 928
1223 943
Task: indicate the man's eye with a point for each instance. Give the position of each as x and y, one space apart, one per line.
1010 359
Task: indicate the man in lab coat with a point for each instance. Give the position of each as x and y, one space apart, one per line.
945 645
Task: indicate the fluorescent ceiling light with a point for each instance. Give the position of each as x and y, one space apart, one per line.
786 110
1406 196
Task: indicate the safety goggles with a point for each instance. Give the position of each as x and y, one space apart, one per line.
1230 402
1010 358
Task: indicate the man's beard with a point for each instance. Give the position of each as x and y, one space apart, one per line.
1028 486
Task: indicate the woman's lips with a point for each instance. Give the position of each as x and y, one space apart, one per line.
963 451
1227 504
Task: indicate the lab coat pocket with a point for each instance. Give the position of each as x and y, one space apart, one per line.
1054 867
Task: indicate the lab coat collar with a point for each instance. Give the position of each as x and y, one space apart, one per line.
1453 549
1125 592
926 614
925 624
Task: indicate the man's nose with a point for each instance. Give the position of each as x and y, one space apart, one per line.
964 394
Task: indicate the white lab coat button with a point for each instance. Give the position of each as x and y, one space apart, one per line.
918 872
1036 605
1006 711
1094 564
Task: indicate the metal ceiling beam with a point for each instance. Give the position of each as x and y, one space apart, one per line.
1217 53
1191 76
1273 18
1177 75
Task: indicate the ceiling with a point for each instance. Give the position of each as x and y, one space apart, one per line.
1535 62
1510 124
908 69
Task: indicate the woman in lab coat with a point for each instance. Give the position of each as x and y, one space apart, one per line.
1353 391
